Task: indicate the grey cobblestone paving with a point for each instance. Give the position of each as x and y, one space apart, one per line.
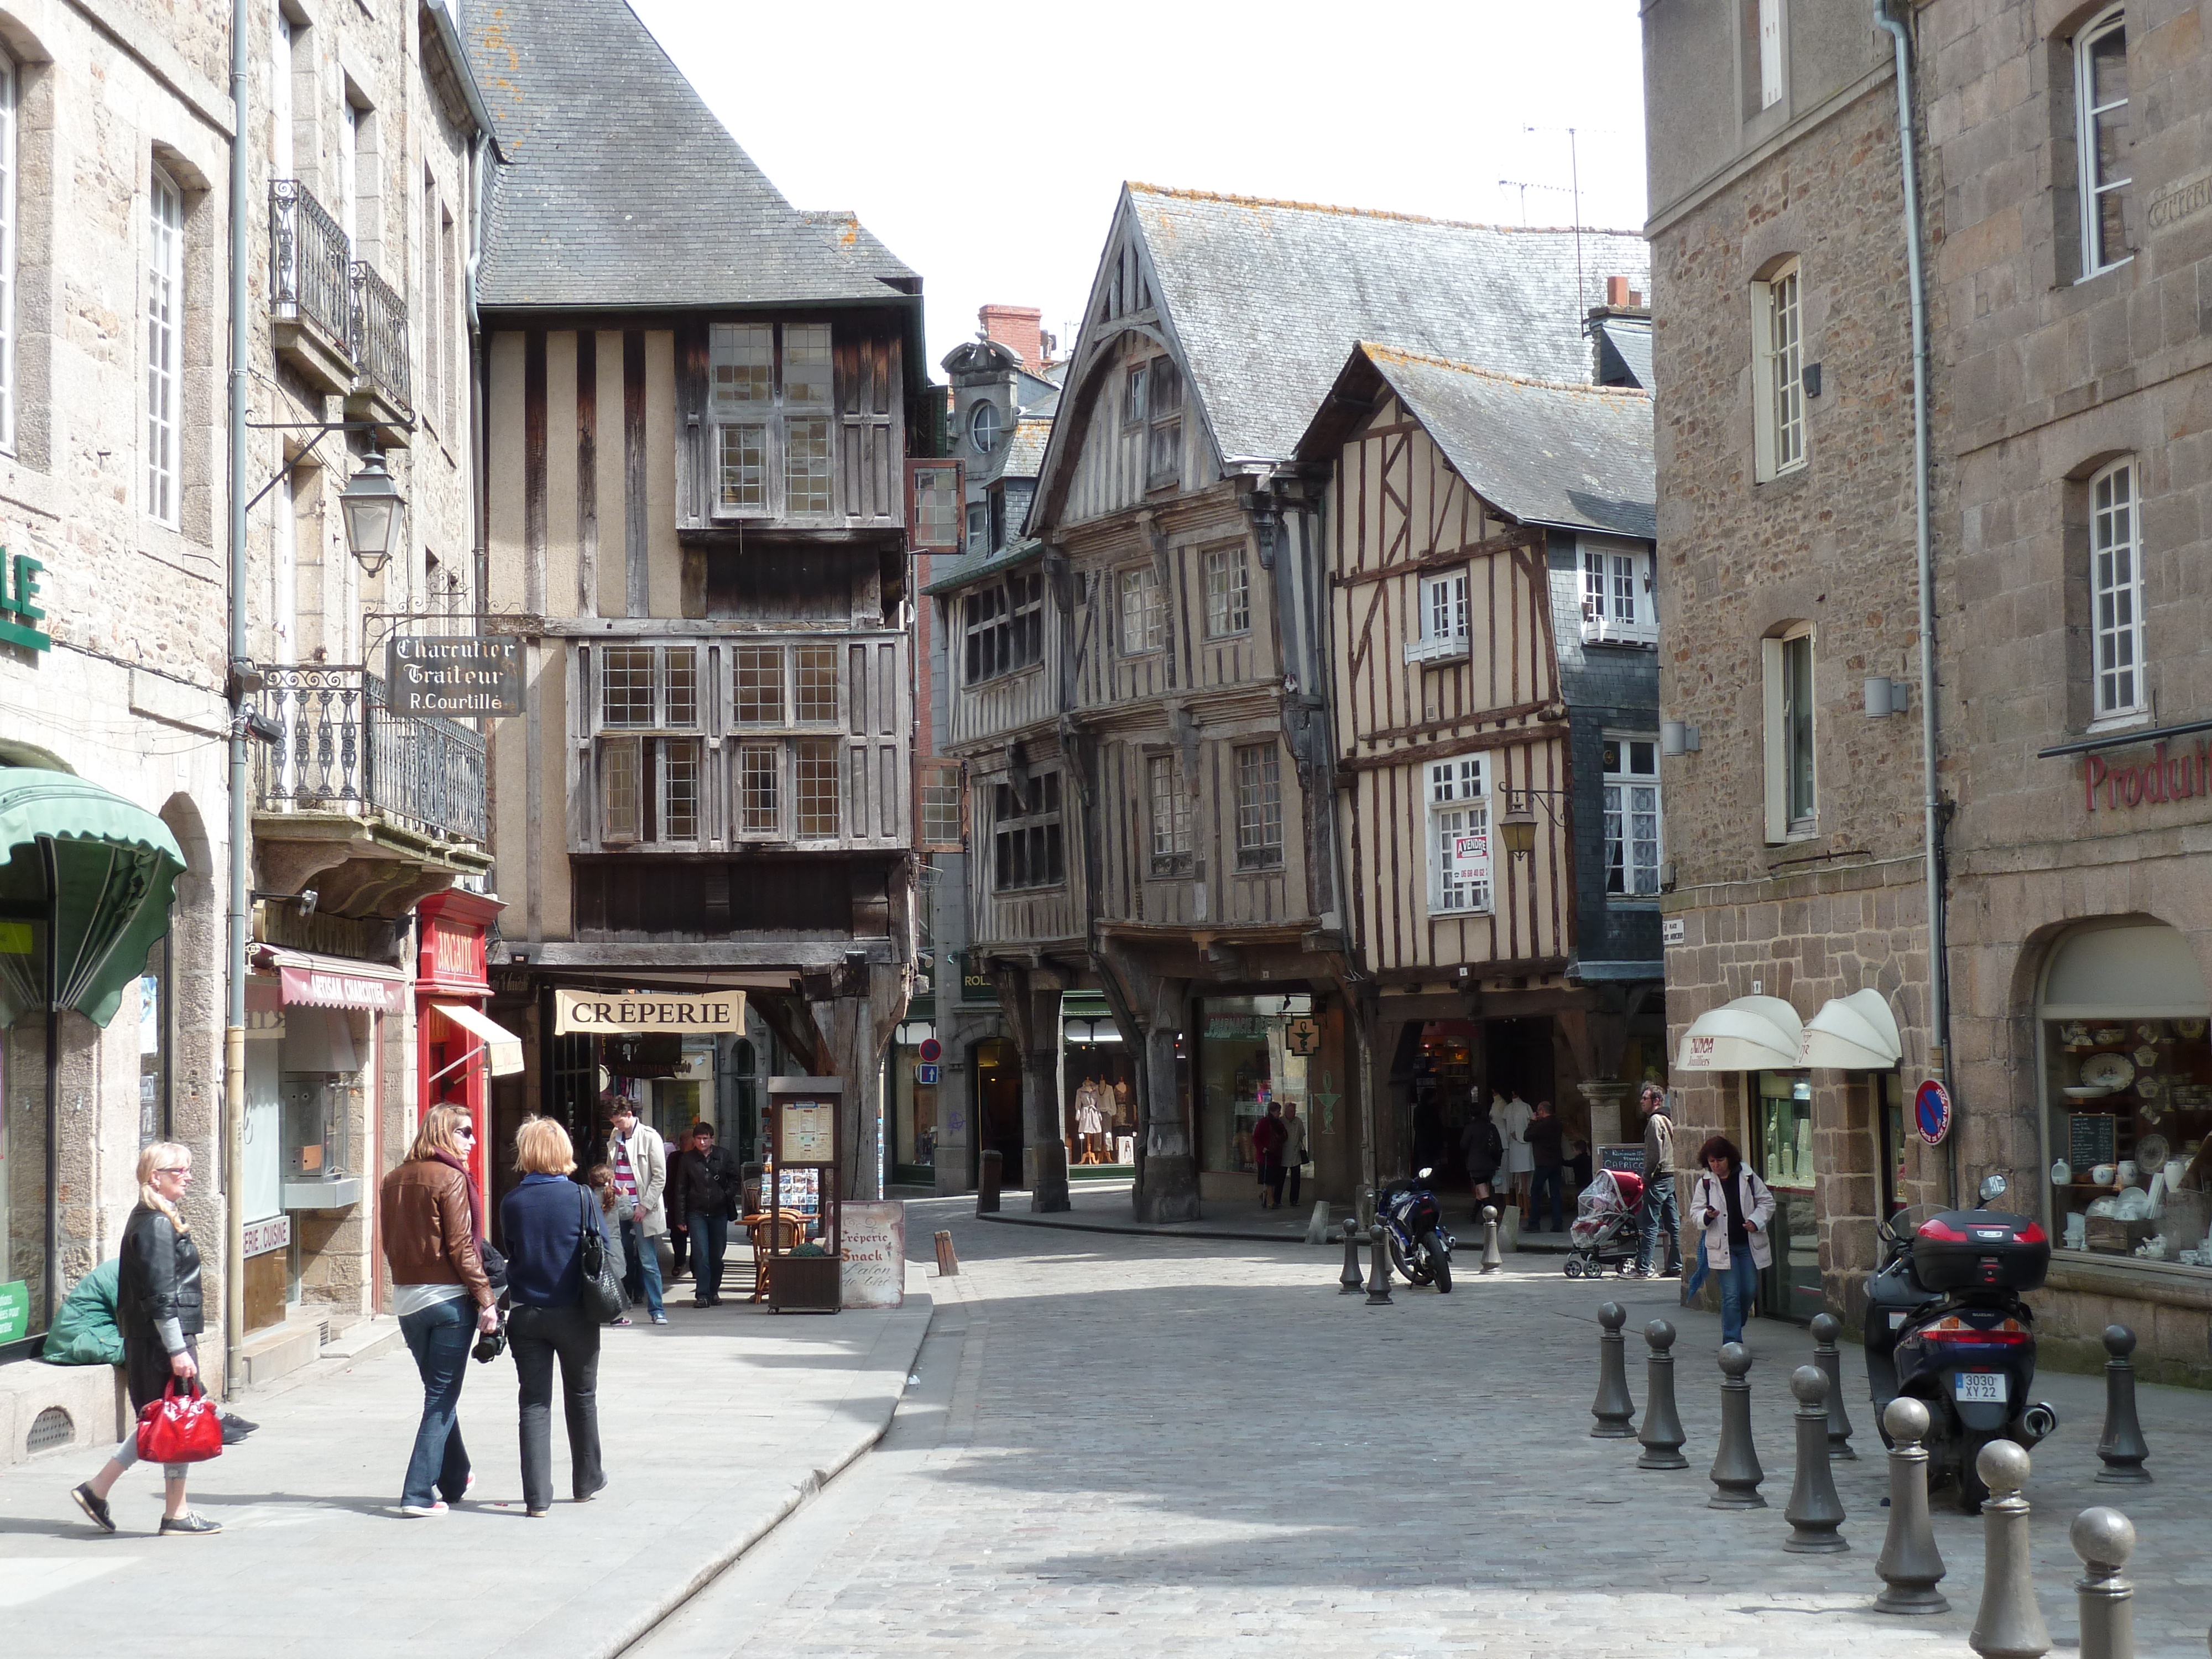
1124 1445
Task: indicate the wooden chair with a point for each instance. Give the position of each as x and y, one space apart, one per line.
784 1230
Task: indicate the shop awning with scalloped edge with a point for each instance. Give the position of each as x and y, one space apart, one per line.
84 893
1751 1034
1856 1033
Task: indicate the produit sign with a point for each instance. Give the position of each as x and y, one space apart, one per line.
456 676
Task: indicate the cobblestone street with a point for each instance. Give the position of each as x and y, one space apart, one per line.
1127 1445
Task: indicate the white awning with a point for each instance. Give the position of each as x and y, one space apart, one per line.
1856 1033
1751 1034
503 1047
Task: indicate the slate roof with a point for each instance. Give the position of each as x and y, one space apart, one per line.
1630 342
1022 456
1019 550
1265 298
620 190
1576 456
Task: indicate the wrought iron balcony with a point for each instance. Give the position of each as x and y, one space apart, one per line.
340 751
310 291
380 335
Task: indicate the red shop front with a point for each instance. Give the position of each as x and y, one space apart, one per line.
457 1048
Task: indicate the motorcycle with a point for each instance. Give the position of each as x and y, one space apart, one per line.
1414 1222
1946 1325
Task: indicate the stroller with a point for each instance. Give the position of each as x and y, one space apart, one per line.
1607 1229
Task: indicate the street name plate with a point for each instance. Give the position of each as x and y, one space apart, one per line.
457 677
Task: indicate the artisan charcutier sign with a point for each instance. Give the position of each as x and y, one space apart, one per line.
601 1014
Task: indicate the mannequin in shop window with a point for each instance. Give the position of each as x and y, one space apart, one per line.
1089 1121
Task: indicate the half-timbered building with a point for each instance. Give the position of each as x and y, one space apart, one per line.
1151 769
701 404
1494 694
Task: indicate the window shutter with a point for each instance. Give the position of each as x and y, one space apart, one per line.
1777 741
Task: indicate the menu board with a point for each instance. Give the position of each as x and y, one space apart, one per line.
808 1133
2091 1140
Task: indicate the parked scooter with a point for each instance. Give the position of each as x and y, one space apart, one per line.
1413 1222
1946 1325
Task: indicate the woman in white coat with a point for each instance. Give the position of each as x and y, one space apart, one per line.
1734 1206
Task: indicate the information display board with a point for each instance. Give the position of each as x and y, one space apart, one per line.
803 1220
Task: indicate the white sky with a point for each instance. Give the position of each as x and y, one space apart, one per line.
985 142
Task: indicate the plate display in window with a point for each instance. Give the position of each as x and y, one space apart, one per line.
2108 1071
2191 1029
2073 1034
2150 1088
2107 1034
2151 1152
2146 1057
2151 1031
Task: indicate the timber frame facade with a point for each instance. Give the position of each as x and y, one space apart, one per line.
698 440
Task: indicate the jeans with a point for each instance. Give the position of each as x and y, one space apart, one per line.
1291 1172
1662 1220
1551 1177
1739 1285
439 1338
643 1265
710 1237
539 1335
679 1244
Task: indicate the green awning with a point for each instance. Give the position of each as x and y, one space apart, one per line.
93 871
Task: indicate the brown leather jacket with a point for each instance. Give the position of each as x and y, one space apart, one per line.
423 1217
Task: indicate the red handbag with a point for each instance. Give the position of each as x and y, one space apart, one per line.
180 1430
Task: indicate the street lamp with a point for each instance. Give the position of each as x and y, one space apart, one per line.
371 504
1517 828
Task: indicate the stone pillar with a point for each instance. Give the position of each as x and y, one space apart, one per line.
1169 1191
1044 1143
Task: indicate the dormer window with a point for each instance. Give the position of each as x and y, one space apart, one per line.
983 425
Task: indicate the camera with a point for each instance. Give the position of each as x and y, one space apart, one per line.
491 1344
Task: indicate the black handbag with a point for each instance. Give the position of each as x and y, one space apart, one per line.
602 1295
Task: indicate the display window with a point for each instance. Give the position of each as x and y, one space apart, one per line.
1245 1063
1782 1153
2127 1075
1098 1110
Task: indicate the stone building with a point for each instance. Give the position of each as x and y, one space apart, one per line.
2065 238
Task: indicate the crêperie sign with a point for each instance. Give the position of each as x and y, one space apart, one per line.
631 1013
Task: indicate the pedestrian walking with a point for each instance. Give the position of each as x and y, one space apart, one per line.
429 1219
1513 1118
706 1187
1546 1139
639 1167
1482 1148
1267 1153
601 1181
680 1230
158 1305
1733 1206
1663 1216
543 1221
1295 1151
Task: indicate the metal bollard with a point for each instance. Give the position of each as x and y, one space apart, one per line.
1493 1258
2123 1448
2104 1539
1615 1410
2010 1625
990 1174
1910 1564
1814 1512
1663 1435
1378 1266
1826 1328
1736 1471
948 1262
1347 1282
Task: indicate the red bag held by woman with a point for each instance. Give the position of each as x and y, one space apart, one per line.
173 1430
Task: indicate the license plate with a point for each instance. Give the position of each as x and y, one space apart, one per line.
1978 1387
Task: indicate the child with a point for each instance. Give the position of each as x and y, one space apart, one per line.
603 1182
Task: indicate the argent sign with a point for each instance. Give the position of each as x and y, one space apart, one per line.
460 677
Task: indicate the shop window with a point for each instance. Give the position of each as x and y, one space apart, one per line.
1459 835
646 750
1228 591
1792 802
2116 593
1144 610
1099 1111
1245 1063
1779 407
1026 834
1171 815
2127 1070
1258 807
1632 816
2101 141
1782 1153
1003 626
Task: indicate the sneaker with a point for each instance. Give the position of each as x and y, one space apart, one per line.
660 1319
698 1301
236 1428
620 1318
95 1508
418 1511
192 1526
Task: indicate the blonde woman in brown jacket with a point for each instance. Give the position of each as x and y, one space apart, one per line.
427 1217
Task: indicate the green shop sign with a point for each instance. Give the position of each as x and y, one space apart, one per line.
20 613
15 1310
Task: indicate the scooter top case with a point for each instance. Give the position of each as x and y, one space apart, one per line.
1966 1251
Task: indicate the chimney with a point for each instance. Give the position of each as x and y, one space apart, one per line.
1616 293
1015 327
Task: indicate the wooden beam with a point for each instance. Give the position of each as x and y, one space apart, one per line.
1551 708
1445 749
1447 559
1447 974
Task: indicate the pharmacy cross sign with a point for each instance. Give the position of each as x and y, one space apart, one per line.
1302 1036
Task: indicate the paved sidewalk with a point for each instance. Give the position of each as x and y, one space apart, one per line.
713 1428
1103 1206
1124 1446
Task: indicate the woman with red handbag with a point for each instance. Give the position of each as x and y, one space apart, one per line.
158 1305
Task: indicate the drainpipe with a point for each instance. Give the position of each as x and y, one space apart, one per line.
479 446
1939 1001
233 1035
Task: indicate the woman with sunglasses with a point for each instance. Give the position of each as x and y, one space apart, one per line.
430 1219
